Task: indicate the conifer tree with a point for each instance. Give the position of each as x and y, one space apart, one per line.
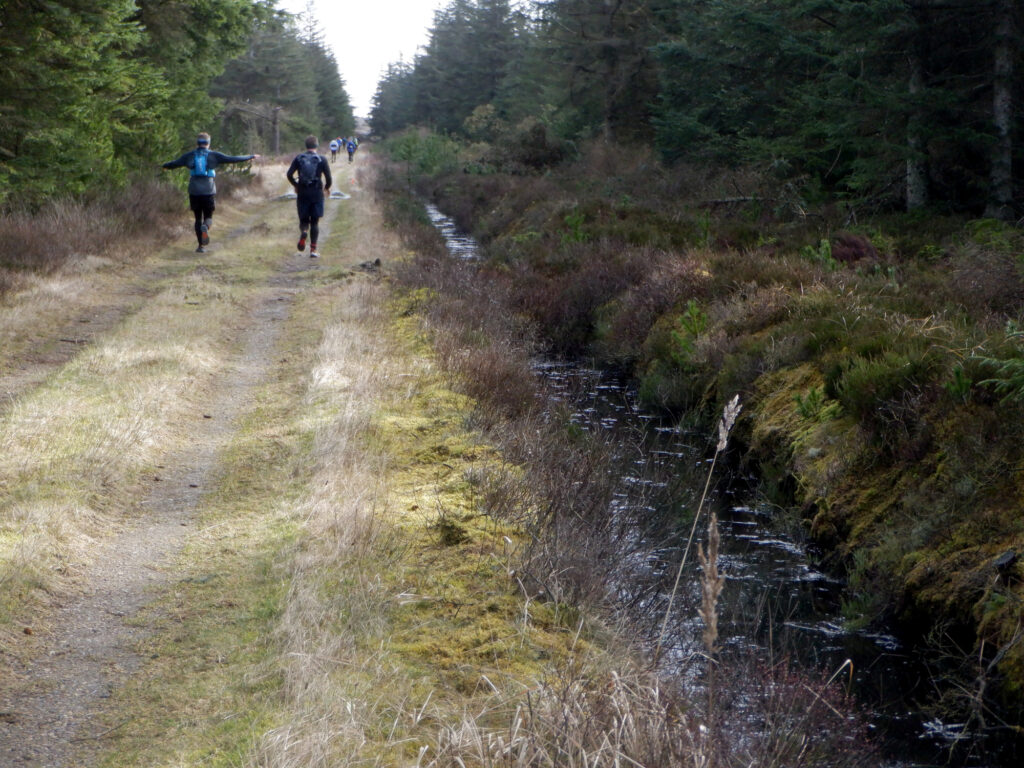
393 105
68 90
600 57
285 86
91 89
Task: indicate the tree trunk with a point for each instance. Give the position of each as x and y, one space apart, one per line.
276 122
1000 203
917 174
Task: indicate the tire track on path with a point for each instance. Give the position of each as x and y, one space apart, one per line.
100 308
45 718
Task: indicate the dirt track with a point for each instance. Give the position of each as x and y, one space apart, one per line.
68 659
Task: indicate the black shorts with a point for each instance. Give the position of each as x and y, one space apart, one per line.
202 204
310 204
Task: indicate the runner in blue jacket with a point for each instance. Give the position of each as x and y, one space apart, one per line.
202 190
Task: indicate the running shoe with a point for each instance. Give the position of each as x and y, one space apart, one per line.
313 252
302 242
200 249
204 235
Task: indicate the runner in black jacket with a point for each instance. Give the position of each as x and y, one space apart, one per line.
202 190
304 174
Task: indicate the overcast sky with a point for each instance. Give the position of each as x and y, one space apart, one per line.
366 35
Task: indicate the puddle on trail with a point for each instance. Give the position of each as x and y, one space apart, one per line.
335 195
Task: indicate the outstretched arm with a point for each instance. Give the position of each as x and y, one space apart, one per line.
181 162
222 158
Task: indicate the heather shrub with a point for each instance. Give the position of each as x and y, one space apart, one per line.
423 153
669 378
494 372
989 280
470 199
761 267
526 206
528 147
881 391
623 324
995 235
564 295
752 307
44 239
630 224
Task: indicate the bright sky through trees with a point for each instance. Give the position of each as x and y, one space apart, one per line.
366 37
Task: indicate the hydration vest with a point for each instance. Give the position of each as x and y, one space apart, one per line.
199 164
309 169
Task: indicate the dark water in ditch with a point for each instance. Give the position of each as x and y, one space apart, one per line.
775 603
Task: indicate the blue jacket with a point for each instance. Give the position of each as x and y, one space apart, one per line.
204 185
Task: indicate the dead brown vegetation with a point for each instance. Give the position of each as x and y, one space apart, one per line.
117 224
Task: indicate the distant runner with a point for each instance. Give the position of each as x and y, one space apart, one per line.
334 149
202 191
304 174
351 147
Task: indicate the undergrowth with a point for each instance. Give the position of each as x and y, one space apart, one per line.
878 356
116 224
560 484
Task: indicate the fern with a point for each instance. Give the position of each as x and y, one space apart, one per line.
1008 378
1008 373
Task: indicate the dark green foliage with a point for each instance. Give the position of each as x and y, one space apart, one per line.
395 100
581 67
836 96
460 69
602 76
269 92
867 384
93 90
68 91
526 147
334 110
283 88
878 103
423 154
1007 370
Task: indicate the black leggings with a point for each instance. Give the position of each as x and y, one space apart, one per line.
202 207
202 218
313 225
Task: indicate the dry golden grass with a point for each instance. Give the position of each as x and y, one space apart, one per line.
405 638
76 447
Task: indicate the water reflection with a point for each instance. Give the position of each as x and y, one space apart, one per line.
775 601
